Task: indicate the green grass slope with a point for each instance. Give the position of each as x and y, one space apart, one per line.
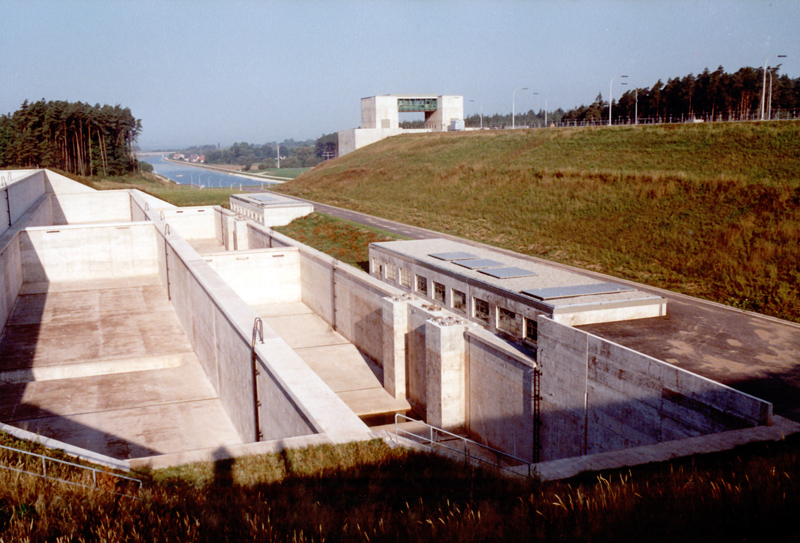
711 210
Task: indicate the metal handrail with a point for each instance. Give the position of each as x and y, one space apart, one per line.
258 333
94 471
465 441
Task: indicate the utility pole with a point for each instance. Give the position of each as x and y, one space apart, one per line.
278 149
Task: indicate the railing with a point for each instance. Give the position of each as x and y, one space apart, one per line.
470 449
258 333
94 485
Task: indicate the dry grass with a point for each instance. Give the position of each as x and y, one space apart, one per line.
712 211
369 492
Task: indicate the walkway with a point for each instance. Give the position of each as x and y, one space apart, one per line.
350 374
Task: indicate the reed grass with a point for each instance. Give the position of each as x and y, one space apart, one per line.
370 492
709 210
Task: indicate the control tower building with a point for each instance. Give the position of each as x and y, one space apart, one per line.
380 118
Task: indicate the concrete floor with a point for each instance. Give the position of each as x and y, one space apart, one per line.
106 366
351 375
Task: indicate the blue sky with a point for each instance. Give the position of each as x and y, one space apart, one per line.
208 71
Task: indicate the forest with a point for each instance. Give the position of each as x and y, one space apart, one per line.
73 137
709 96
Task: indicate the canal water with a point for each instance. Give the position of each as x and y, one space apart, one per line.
201 177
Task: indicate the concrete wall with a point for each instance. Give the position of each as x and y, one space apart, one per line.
192 222
450 108
500 394
599 396
92 207
260 276
84 253
10 276
60 184
219 324
345 297
19 190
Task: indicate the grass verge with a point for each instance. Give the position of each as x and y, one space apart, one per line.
340 239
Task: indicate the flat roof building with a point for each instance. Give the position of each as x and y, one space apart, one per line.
503 293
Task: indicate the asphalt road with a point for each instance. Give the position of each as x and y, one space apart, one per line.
754 353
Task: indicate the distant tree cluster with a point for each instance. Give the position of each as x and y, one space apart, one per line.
294 154
327 146
709 96
74 137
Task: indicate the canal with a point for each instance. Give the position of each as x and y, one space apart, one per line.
200 177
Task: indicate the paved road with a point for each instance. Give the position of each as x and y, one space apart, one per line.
753 353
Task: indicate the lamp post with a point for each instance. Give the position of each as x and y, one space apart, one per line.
545 111
514 106
534 117
481 104
610 89
764 85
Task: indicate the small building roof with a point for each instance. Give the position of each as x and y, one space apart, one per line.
548 285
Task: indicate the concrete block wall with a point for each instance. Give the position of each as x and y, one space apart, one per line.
417 355
92 207
446 374
599 396
260 276
192 222
500 394
81 253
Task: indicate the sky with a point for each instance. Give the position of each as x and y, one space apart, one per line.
218 72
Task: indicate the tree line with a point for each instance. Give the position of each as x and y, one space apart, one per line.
712 96
73 137
294 154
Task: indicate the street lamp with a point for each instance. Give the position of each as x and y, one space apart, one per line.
534 116
481 104
610 88
513 104
545 111
764 85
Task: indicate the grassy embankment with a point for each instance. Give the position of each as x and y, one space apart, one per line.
369 492
709 210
